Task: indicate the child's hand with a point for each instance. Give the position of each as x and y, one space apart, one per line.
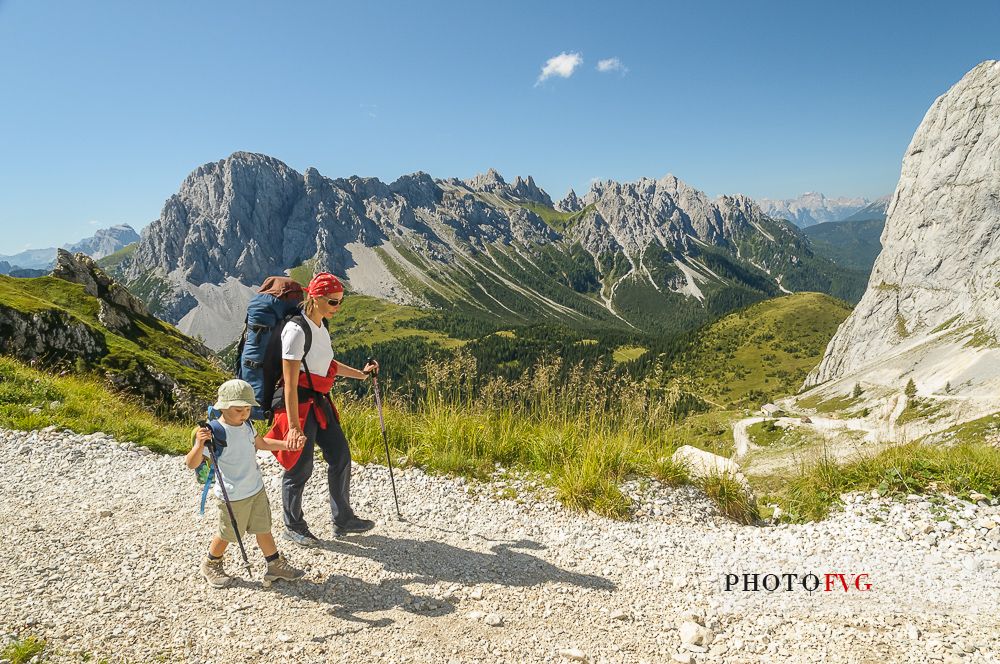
294 442
202 437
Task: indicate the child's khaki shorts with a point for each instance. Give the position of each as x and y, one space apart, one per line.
253 515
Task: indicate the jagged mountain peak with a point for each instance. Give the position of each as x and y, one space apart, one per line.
487 181
239 161
570 202
418 188
521 189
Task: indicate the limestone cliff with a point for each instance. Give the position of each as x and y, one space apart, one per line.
941 243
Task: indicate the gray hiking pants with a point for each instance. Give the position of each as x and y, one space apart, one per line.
333 444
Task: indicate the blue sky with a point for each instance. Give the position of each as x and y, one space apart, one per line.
107 106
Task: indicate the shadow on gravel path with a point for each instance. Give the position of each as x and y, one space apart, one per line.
434 562
426 562
348 597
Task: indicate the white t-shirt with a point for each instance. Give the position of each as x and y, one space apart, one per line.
238 463
293 342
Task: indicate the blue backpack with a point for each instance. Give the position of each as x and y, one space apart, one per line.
277 300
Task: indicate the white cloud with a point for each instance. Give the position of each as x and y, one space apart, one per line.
93 222
562 65
612 64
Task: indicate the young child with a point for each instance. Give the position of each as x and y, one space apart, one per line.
244 484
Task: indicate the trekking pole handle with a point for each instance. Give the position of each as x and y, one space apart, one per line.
369 361
202 424
215 442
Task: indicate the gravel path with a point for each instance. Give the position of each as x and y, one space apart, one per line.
104 542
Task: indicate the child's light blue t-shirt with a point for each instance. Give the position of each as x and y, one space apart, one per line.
238 463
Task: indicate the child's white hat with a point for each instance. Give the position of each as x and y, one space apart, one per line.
235 392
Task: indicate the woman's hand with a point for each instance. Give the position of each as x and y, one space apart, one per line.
371 367
296 440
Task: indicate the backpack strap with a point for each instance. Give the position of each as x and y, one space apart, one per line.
272 359
300 320
208 485
237 370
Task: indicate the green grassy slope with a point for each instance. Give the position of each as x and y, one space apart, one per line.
762 352
364 320
33 399
111 262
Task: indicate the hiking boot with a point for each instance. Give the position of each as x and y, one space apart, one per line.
353 525
214 573
280 569
302 539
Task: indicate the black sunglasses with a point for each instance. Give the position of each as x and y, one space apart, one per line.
335 303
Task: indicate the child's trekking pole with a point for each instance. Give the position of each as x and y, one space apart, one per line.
225 497
385 439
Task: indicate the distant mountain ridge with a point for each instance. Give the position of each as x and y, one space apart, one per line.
651 254
813 208
102 243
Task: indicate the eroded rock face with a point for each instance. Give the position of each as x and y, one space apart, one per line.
48 337
941 240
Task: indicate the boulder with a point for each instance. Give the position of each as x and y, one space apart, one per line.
701 464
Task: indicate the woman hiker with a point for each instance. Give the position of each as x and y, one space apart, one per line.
303 411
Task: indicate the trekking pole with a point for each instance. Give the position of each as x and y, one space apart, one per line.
225 497
385 439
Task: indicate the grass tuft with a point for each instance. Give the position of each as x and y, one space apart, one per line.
914 468
22 651
731 498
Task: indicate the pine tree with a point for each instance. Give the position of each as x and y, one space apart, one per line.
857 390
911 389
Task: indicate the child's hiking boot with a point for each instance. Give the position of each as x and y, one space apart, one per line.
353 525
305 538
214 573
280 569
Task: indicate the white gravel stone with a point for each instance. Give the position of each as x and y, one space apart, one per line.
127 588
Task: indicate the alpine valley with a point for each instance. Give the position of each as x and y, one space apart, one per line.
651 257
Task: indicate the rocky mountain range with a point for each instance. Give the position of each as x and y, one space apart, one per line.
931 312
812 208
104 242
651 254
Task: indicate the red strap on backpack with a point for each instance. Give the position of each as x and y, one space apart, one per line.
279 430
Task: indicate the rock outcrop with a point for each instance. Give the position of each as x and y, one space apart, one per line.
48 337
941 243
81 269
53 325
